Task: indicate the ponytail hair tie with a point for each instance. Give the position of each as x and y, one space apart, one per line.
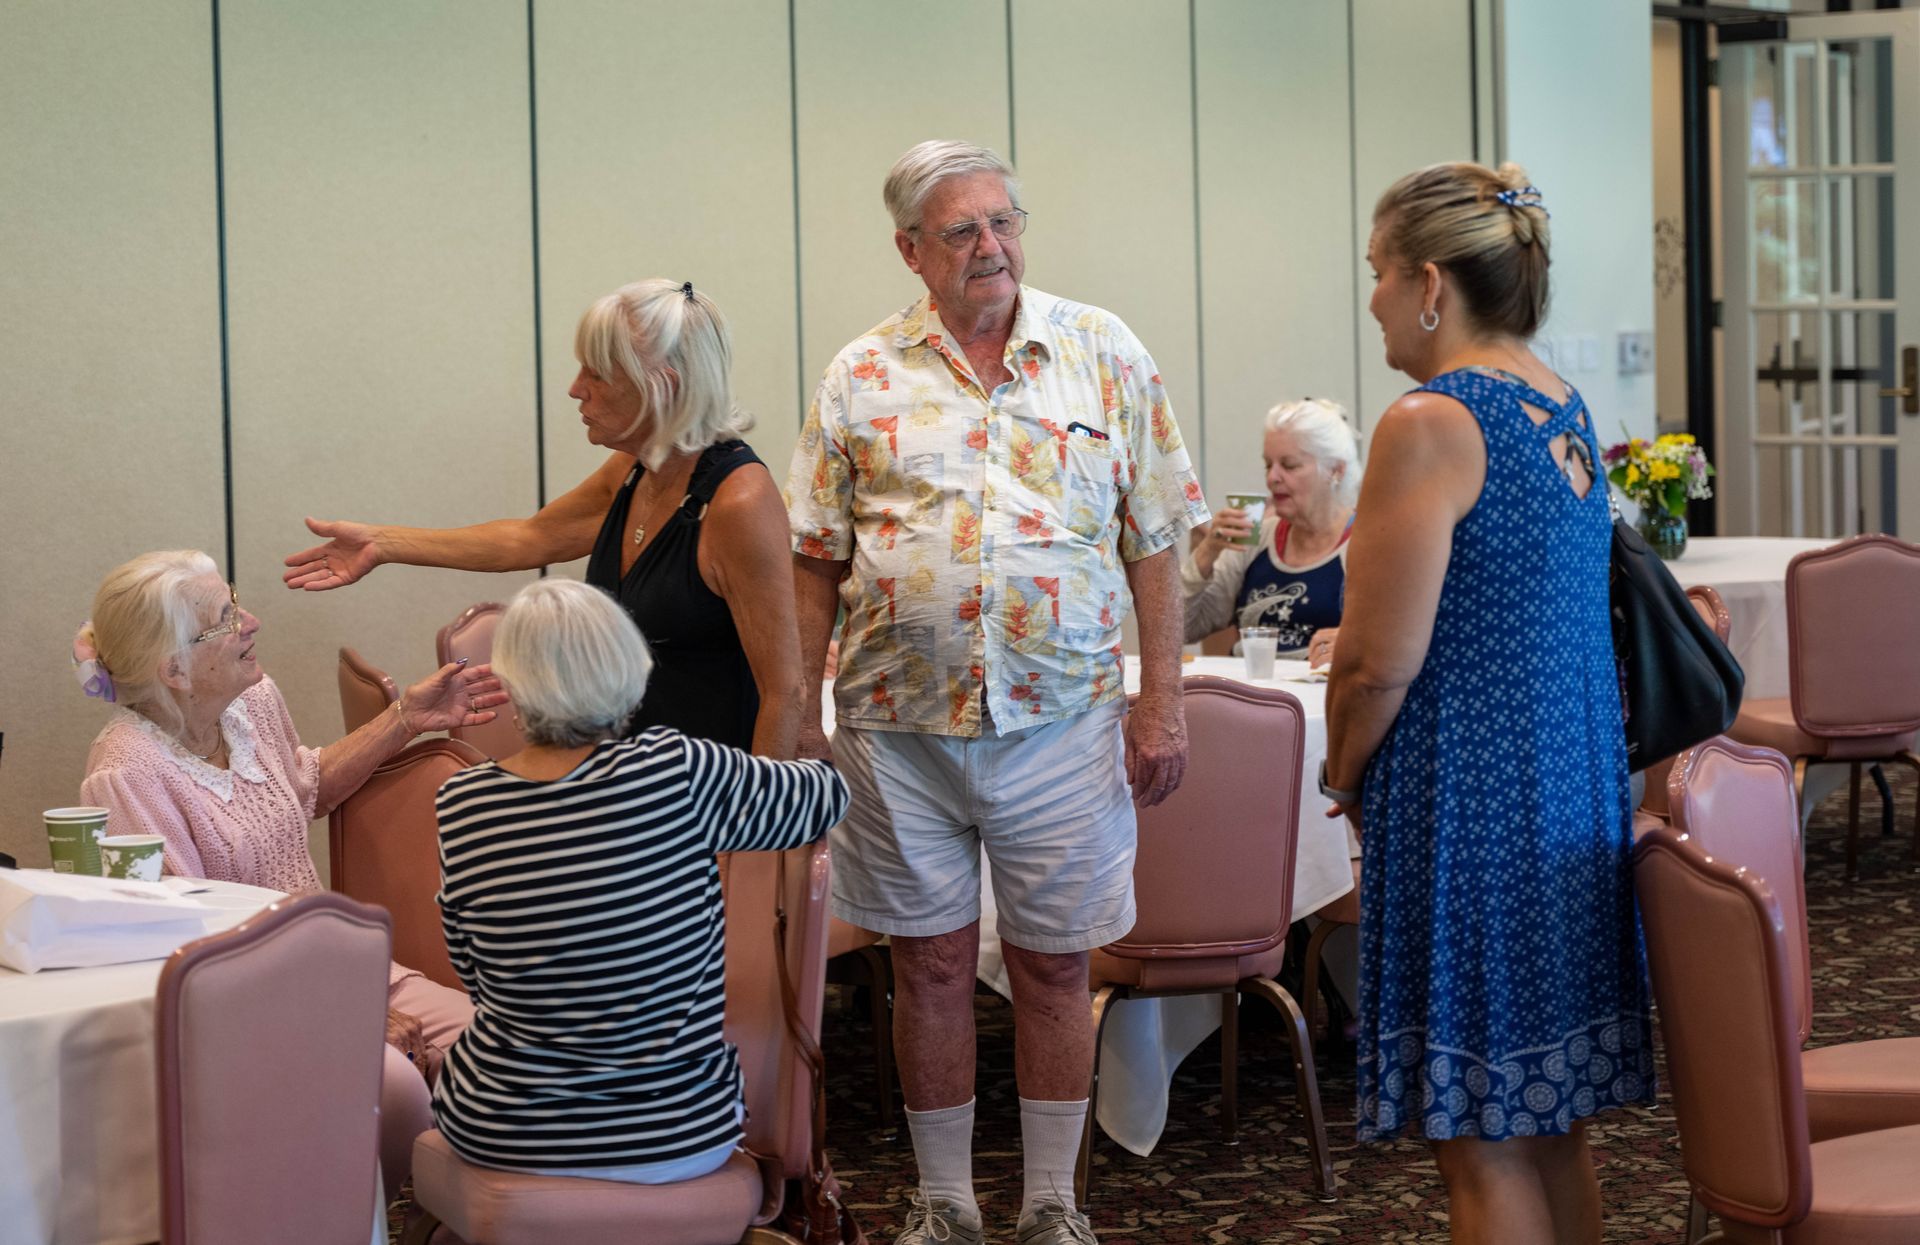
686 287
1525 197
88 670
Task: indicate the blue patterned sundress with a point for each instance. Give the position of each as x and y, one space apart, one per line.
1502 978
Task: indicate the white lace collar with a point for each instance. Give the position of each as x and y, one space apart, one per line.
236 727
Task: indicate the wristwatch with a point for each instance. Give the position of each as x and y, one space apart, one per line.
1334 793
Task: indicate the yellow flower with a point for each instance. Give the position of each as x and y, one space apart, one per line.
1633 474
1662 470
1676 438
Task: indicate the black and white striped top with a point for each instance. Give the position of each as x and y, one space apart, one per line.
584 917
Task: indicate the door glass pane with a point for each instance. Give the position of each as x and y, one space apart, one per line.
1793 494
1782 101
1786 353
1860 235
1864 358
1860 101
1784 232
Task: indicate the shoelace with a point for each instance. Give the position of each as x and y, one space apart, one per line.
932 1224
1052 1214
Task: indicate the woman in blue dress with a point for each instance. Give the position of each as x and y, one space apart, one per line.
1474 732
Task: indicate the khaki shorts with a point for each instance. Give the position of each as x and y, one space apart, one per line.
1049 805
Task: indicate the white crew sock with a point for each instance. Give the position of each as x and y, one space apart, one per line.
1050 1149
943 1149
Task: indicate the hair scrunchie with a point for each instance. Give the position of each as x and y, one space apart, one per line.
88 670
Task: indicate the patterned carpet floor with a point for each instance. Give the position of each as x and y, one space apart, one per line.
1195 1189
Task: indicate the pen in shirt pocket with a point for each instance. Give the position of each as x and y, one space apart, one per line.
1077 426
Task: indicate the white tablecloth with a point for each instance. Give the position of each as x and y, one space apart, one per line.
1750 574
1146 1039
79 1160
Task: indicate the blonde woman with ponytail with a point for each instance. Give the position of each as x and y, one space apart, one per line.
1474 731
683 523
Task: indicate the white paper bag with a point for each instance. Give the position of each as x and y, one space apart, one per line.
64 920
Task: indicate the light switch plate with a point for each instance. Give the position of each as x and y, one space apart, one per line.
1636 352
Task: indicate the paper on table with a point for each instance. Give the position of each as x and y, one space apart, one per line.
58 920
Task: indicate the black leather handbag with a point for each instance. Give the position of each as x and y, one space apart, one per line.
1678 683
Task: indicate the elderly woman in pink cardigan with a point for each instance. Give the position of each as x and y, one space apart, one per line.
201 750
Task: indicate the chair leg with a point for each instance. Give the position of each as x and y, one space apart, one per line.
1310 972
421 1230
1306 1083
1696 1220
1230 1066
1879 775
880 991
1853 817
1913 760
1083 1168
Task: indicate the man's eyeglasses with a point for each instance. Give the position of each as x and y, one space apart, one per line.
229 620
964 237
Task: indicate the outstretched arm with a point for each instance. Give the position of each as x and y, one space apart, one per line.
562 530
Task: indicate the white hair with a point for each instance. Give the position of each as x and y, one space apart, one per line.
573 661
1326 434
672 345
927 164
145 615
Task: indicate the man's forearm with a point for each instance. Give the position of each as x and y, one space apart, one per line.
1159 612
816 599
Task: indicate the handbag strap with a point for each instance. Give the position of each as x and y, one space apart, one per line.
819 1170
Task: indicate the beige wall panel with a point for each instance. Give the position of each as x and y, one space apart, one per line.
1412 106
665 150
1276 221
876 77
1103 120
381 304
109 349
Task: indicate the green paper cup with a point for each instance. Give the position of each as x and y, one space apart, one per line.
73 838
1255 504
134 856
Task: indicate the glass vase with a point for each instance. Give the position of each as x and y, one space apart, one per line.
1665 534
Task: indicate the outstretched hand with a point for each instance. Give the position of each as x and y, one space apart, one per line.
349 554
451 696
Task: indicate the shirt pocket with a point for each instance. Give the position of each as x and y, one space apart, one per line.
1092 494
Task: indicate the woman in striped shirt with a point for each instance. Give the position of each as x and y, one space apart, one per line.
581 900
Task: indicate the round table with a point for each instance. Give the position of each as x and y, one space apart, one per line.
1750 574
79 1132
1146 1039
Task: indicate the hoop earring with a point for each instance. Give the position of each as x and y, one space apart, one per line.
1430 319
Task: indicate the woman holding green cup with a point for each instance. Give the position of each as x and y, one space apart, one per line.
1283 565
201 751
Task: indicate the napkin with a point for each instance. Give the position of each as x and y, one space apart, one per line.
64 920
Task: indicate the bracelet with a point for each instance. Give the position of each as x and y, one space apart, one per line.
1334 793
400 712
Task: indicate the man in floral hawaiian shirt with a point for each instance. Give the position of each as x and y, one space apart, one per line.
985 480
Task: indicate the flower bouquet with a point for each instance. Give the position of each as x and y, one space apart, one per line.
1659 477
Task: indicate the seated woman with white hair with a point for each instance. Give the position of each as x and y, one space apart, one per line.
580 894
1291 572
201 750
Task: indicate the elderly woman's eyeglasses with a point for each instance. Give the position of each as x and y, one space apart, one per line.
229 618
964 237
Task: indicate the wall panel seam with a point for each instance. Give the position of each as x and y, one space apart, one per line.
799 294
220 229
1199 281
539 346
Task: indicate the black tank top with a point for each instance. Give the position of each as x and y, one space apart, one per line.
701 683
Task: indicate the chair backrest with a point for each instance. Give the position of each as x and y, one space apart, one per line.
383 847
1737 803
1213 874
471 636
1852 665
778 1082
1718 958
365 690
1707 603
269 1039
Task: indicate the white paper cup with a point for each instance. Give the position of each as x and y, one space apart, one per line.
1258 647
136 857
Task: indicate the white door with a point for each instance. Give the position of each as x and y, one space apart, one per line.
1820 157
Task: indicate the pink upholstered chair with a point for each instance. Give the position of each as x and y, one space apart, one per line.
1738 804
365 690
383 848
1213 883
1853 667
487 1207
270 1041
1718 951
471 636
854 958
